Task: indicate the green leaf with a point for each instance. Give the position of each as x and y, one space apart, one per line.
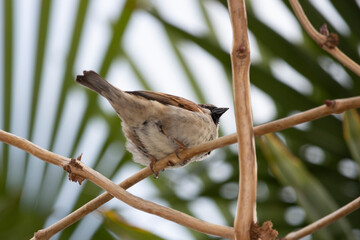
116 224
312 195
7 73
351 128
14 217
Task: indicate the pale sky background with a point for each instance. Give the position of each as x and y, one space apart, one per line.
145 41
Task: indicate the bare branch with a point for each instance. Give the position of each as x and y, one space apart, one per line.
335 106
326 41
240 59
332 217
331 107
93 204
75 167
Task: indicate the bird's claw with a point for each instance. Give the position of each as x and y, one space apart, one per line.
152 162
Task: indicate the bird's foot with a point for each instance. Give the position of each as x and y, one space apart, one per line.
184 162
181 145
152 162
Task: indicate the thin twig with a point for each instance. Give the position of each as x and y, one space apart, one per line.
77 168
322 40
240 61
332 217
335 106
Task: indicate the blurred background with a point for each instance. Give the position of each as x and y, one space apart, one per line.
181 48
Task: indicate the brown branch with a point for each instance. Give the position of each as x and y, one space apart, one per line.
332 106
326 41
93 204
240 60
335 106
77 168
332 217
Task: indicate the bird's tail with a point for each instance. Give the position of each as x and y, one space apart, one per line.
96 83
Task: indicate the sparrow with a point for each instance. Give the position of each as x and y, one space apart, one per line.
157 124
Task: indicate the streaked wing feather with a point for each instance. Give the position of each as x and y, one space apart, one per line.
168 99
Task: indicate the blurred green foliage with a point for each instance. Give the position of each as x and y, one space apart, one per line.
306 173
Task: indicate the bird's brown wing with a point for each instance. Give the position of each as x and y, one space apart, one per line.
168 99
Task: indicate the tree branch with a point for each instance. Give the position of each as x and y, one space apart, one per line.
330 107
335 106
240 60
332 217
326 41
93 204
79 169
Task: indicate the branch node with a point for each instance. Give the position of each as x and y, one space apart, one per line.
327 41
330 103
74 163
264 232
324 30
241 52
37 235
79 157
332 39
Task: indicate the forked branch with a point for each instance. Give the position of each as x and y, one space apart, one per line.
335 106
77 168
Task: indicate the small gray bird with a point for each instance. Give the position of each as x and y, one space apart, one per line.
157 124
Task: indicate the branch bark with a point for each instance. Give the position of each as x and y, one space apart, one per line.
80 170
240 60
332 217
323 40
334 106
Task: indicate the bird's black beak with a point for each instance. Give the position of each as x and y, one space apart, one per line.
219 111
216 113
